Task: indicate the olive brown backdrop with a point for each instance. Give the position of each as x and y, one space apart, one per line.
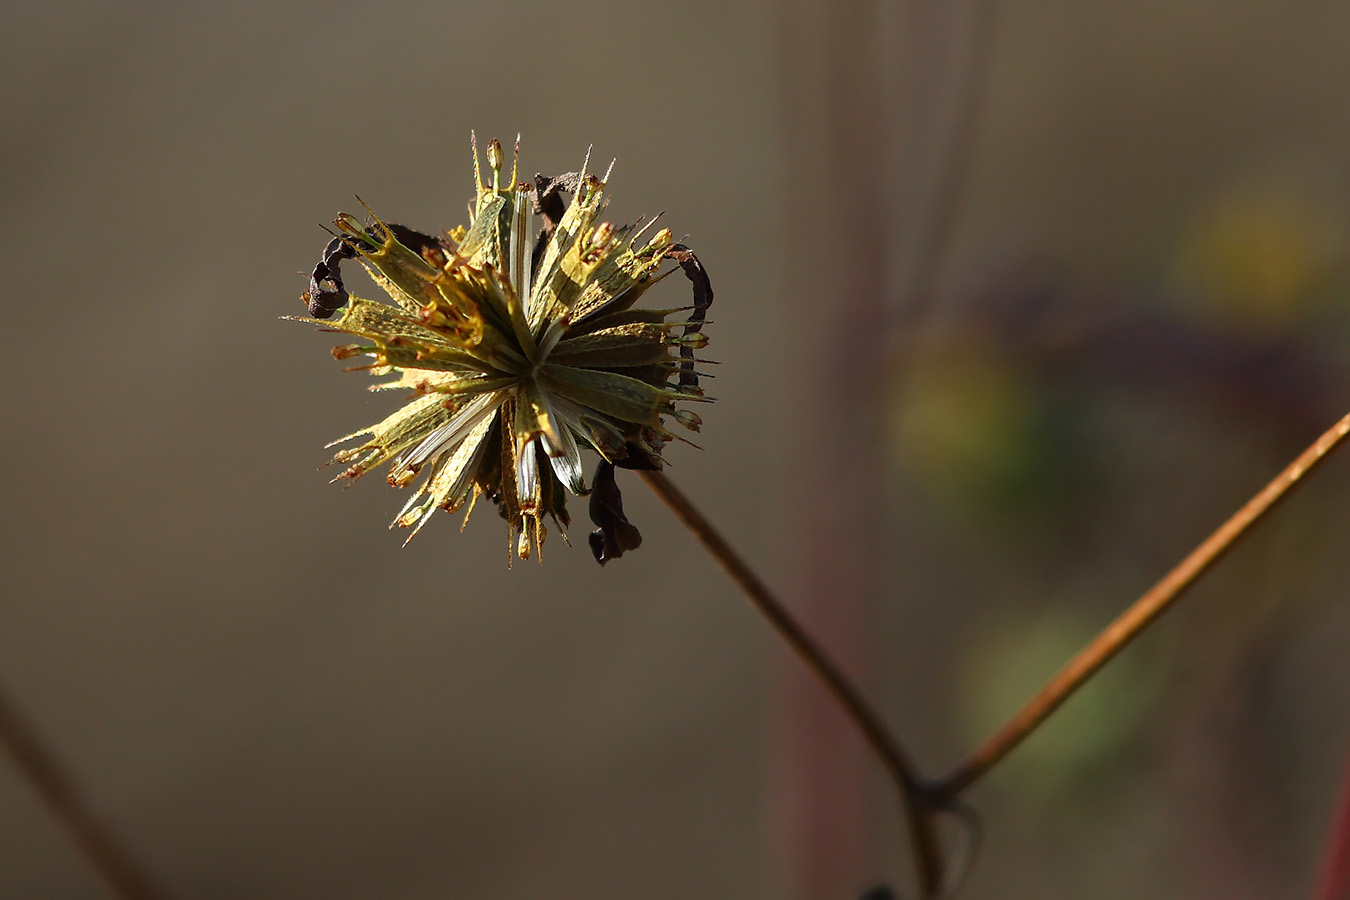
1134 313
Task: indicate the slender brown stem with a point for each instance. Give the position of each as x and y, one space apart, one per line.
911 787
121 874
1135 619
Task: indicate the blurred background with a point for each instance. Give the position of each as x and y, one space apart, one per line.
1014 305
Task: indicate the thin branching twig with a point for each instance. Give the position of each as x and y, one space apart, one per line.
1134 620
915 804
921 800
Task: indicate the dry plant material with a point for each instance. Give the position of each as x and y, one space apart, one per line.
517 350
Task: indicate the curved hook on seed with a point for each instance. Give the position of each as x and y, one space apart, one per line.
703 298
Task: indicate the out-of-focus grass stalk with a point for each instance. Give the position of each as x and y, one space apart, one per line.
122 874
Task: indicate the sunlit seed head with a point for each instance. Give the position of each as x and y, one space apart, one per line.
515 352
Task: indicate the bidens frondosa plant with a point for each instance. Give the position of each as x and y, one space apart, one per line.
518 350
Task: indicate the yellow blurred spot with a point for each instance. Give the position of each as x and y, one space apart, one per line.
1256 255
966 424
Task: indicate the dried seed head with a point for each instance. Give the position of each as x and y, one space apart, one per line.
518 357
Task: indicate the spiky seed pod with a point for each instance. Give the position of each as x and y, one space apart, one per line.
518 352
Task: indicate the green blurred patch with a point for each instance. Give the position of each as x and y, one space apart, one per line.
979 432
1009 661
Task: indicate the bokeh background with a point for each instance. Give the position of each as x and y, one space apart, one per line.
1013 306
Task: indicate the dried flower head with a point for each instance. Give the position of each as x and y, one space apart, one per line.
517 350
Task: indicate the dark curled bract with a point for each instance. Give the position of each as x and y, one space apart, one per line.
327 294
615 534
703 298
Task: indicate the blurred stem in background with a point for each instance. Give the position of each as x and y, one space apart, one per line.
1334 881
835 149
879 109
122 874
